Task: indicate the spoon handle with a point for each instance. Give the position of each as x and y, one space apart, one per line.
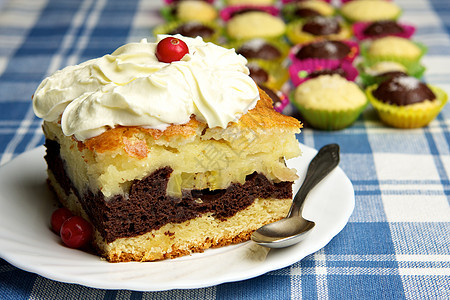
320 166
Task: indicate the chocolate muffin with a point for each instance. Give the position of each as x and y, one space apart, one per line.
403 90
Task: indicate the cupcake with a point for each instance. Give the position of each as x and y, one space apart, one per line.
316 28
209 31
383 70
406 102
370 10
312 68
306 9
340 50
329 102
393 48
260 48
255 24
190 10
230 12
268 74
377 29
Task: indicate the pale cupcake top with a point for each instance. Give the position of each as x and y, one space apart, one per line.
370 10
131 87
385 66
392 46
255 24
194 10
329 92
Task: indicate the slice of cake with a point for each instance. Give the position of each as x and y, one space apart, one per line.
166 159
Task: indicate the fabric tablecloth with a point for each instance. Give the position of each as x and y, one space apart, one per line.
396 244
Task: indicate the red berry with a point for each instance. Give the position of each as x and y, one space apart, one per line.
58 218
76 232
171 49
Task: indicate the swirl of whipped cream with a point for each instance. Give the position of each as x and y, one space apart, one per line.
130 87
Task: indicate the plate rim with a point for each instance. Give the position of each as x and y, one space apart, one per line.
263 268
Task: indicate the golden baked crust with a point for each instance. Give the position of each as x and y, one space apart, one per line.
262 116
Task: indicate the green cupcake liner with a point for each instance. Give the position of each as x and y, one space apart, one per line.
415 70
329 120
407 117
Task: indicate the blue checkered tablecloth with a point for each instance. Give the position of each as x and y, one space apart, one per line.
396 244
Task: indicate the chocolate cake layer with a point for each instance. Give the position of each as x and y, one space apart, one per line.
147 206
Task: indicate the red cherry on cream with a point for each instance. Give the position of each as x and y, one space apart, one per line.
76 232
58 217
171 49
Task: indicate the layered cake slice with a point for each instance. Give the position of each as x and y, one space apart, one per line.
166 159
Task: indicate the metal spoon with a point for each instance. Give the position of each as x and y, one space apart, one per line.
294 228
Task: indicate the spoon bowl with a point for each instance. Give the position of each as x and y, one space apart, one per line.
283 233
294 228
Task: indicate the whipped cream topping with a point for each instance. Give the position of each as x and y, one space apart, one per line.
130 87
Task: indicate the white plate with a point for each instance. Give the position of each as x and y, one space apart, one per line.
27 242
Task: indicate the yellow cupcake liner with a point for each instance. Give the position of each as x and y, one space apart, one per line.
329 120
168 27
295 34
408 117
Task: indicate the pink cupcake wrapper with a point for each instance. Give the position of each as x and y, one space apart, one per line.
359 27
354 51
299 71
280 106
227 12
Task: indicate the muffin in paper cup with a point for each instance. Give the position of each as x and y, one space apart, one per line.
267 73
403 30
272 50
315 46
209 31
376 71
310 68
408 116
329 102
370 11
229 11
393 48
192 10
305 9
296 34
